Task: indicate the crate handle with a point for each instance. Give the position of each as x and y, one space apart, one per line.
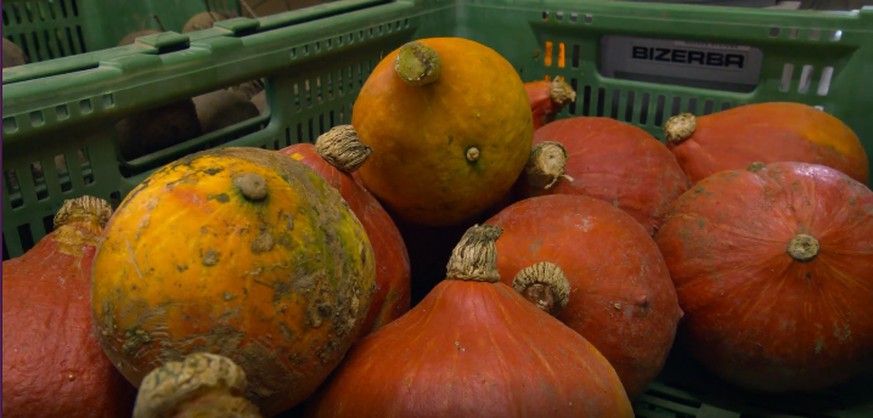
166 41
239 26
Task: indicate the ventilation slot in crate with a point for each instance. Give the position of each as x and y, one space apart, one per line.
638 107
808 81
44 29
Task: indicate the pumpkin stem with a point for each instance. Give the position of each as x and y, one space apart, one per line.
342 148
472 154
417 64
545 285
546 165
803 248
679 127
252 186
560 92
202 384
83 209
475 255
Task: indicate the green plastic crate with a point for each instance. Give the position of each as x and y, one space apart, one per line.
315 60
49 29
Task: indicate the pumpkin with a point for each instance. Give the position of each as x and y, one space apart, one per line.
200 385
53 365
547 98
240 252
773 266
335 155
621 297
764 132
473 347
607 159
450 126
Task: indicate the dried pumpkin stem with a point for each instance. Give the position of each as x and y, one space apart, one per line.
83 209
475 256
560 92
472 154
202 385
546 165
680 127
545 285
803 248
417 63
252 186
342 148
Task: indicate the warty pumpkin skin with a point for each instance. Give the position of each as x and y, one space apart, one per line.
473 347
444 151
53 365
773 266
764 132
621 297
240 252
392 296
615 162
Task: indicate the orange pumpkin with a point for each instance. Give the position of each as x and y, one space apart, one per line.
52 363
240 252
547 98
608 159
335 156
473 347
621 297
773 266
764 132
450 126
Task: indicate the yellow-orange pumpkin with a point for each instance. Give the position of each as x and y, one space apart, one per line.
450 126
240 252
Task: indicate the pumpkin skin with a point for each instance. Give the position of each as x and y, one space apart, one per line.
616 162
765 132
473 347
53 365
445 151
621 297
756 316
276 273
392 296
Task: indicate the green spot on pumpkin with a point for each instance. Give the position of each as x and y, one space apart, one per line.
213 171
220 198
136 337
756 166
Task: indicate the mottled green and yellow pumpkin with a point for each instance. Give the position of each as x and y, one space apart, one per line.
240 252
450 126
